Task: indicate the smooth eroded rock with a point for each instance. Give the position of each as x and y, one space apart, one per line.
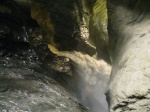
129 43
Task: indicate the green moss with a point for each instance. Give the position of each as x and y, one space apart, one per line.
98 29
100 18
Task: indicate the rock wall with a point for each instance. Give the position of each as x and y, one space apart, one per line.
98 29
24 85
70 25
66 24
128 29
73 30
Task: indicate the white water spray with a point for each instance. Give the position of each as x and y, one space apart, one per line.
92 81
91 78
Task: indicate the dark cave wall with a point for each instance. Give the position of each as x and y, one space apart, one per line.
67 24
79 25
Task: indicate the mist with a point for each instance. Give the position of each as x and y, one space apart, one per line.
92 78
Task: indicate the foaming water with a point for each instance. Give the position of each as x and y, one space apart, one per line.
91 79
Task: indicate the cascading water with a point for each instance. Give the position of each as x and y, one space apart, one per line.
91 76
94 76
91 79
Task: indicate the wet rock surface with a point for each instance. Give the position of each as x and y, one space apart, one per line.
29 68
81 75
28 89
98 29
67 25
24 85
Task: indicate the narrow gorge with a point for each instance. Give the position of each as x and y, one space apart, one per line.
74 56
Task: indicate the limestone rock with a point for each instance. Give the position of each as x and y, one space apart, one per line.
129 43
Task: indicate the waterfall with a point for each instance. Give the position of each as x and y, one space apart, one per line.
91 78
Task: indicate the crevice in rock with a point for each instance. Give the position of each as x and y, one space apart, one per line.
126 105
123 106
